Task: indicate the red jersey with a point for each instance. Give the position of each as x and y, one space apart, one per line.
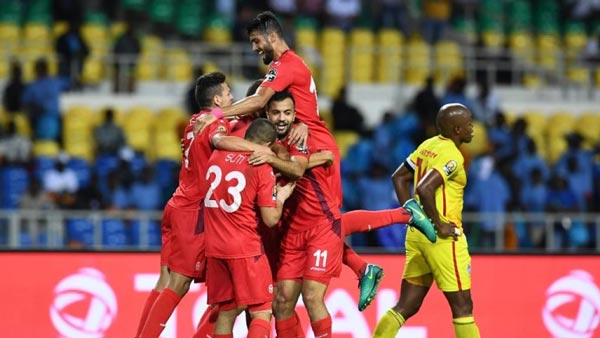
230 209
312 203
240 125
290 73
197 149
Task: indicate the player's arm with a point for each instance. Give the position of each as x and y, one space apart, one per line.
271 215
322 158
402 178
293 168
250 104
234 143
426 190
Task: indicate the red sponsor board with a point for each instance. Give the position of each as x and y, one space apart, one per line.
101 295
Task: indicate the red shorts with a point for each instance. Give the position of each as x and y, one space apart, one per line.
183 242
252 276
314 254
271 240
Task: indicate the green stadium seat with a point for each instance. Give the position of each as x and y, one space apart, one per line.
161 11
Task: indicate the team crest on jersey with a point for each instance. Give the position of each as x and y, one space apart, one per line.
450 167
221 129
271 75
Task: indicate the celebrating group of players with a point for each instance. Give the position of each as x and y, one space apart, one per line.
258 203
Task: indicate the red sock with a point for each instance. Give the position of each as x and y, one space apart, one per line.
286 328
159 314
207 322
147 306
299 330
259 328
322 328
222 335
363 220
353 260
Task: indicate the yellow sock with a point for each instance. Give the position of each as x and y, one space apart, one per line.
388 325
465 327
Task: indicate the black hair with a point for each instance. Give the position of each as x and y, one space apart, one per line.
265 23
261 131
280 96
207 86
254 86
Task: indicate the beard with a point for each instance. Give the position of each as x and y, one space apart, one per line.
268 55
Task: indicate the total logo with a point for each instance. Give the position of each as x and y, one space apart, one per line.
572 306
84 305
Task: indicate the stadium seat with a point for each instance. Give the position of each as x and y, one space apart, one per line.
417 62
536 122
556 146
9 37
114 233
218 31
520 43
389 56
96 37
82 170
362 47
333 45
13 183
548 50
137 127
164 170
45 148
93 70
448 60
588 125
177 66
80 231
153 235
479 145
41 165
560 124
578 75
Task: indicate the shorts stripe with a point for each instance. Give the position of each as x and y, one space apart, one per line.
458 282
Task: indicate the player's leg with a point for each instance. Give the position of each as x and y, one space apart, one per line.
186 262
163 278
260 323
451 266
313 295
416 282
369 276
365 220
227 315
207 322
286 320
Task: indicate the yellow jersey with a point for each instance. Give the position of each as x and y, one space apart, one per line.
441 154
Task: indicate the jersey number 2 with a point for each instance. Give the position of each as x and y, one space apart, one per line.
234 191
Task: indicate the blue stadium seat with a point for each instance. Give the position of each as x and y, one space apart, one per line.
138 162
154 236
80 230
13 183
82 170
114 233
105 164
359 157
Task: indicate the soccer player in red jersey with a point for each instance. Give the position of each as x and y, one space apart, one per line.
182 252
239 275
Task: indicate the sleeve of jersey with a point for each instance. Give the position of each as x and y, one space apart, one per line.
278 78
219 127
448 164
299 151
267 191
411 161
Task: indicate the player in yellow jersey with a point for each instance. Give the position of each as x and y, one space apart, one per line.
438 172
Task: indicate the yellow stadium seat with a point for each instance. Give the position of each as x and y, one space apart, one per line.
306 37
96 36
9 38
560 124
45 148
151 45
556 147
521 44
362 48
117 28
579 75
177 66
327 117
36 32
59 28
333 45
479 145
389 56
344 140
22 123
588 125
493 39
93 71
536 122
548 49
147 68
448 61
417 62
137 124
83 150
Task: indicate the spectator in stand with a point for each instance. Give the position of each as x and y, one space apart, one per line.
90 197
576 165
14 148
126 50
392 14
528 161
455 93
145 192
495 204
61 183
41 102
117 196
499 138
109 137
72 51
346 116
435 14
342 13
13 91
561 199
489 104
426 104
35 198
534 195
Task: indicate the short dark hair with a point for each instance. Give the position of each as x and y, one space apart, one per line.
254 86
207 86
261 131
280 96
265 23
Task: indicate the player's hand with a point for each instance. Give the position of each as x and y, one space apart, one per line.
181 140
261 156
202 122
285 191
445 230
299 134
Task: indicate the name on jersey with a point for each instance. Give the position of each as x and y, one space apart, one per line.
428 153
235 158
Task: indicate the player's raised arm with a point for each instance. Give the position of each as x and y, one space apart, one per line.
322 158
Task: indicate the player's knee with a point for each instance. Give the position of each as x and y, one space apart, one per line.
282 304
462 309
312 298
262 310
179 283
